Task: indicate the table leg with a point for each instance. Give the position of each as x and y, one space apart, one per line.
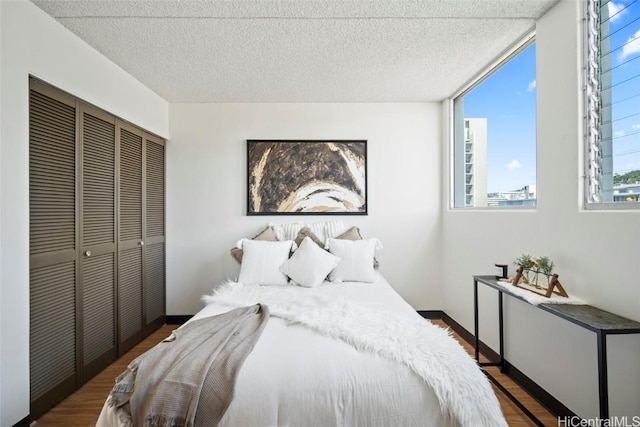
475 318
603 385
501 331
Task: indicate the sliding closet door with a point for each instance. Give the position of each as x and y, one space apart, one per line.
97 236
52 246
154 216
130 241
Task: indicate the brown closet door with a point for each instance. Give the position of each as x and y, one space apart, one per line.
130 242
98 257
52 246
154 253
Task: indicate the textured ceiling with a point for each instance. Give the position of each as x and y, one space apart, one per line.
300 50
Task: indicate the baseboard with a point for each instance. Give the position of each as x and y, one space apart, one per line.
23 422
466 335
178 320
431 314
538 393
552 404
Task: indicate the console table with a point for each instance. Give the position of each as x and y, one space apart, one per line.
594 319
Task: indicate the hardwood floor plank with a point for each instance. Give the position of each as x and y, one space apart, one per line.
514 416
82 408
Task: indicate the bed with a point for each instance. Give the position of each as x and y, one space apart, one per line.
346 353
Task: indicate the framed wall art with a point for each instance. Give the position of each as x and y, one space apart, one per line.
293 177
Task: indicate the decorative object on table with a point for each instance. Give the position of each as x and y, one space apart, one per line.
504 274
288 177
524 262
545 266
542 265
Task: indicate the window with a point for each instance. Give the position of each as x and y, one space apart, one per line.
612 167
494 134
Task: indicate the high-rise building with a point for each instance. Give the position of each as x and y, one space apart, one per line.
475 162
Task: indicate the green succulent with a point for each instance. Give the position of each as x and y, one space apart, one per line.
524 261
545 265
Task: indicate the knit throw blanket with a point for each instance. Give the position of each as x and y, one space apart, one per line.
189 378
463 392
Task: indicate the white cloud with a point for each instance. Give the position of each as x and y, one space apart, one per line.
614 8
635 126
618 134
632 46
532 86
514 164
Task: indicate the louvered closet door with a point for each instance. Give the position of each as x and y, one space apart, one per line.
130 242
52 246
154 234
98 258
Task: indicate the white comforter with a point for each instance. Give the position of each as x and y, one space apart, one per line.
298 377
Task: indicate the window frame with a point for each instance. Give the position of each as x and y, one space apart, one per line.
591 104
507 55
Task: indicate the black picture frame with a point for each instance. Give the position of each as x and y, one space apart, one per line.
307 177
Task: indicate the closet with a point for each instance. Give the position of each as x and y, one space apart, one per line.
96 198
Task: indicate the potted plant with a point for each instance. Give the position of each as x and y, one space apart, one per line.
545 266
525 262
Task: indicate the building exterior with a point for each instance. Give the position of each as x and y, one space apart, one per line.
626 192
526 196
475 162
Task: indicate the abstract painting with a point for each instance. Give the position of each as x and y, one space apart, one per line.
306 177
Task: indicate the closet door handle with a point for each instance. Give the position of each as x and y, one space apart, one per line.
87 253
141 243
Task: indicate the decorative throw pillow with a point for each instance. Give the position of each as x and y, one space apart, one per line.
262 260
310 264
334 228
356 257
327 229
353 233
268 234
306 232
287 231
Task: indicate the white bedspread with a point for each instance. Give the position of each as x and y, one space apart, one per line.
298 377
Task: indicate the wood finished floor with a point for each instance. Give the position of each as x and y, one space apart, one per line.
82 408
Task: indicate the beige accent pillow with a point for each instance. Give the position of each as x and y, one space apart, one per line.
351 234
268 234
306 232
354 234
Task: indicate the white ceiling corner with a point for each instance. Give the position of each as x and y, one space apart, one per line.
300 50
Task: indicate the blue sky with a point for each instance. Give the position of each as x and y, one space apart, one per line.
508 100
624 28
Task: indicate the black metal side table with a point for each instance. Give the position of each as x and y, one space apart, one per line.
594 319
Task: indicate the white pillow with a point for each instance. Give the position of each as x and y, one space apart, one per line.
261 261
356 263
310 264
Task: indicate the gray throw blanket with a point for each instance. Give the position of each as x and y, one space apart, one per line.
189 378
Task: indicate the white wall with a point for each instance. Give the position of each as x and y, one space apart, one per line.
206 200
596 253
33 43
206 189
